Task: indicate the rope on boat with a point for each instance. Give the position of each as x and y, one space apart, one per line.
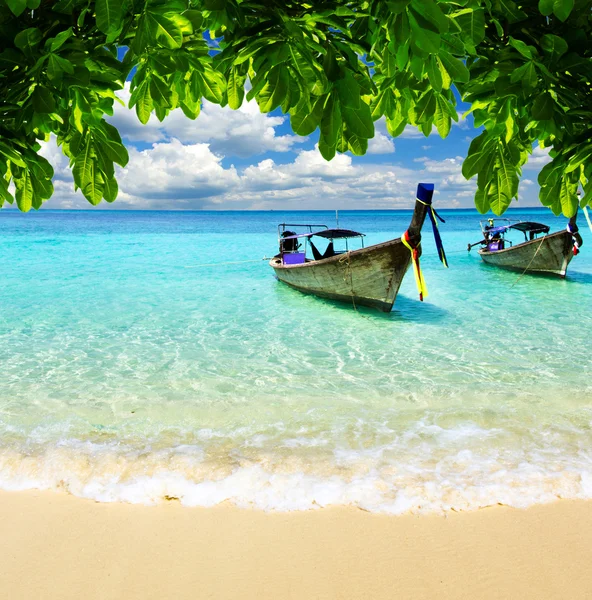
348 272
530 263
229 262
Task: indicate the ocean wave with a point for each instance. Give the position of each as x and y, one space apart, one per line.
466 470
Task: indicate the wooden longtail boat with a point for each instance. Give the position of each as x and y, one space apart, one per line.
368 276
549 253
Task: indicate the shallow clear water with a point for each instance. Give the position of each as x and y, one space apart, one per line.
131 371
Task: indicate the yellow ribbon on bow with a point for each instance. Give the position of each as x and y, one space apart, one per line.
422 288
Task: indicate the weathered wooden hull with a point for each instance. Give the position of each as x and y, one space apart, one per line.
370 276
548 254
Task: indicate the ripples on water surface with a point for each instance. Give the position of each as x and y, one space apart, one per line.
131 373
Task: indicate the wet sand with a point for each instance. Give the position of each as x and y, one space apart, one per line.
58 546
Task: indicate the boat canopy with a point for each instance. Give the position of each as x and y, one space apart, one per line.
499 229
330 234
530 227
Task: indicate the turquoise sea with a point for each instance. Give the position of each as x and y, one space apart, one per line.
141 361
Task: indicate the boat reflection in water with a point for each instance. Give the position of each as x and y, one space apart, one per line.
368 276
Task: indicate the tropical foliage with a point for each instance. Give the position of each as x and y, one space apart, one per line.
332 65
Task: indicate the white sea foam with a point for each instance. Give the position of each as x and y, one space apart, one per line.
389 478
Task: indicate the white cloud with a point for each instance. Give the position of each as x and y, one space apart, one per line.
381 144
172 175
242 132
538 158
176 172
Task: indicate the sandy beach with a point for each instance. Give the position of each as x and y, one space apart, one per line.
58 546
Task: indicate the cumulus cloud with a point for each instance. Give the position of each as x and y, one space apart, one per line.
381 144
538 159
243 132
187 165
172 175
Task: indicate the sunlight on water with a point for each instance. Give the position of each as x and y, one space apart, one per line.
132 372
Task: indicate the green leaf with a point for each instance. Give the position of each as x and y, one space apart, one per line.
111 143
24 191
401 29
196 18
93 190
554 45
161 93
389 63
60 39
481 201
43 101
524 49
330 127
478 156
28 39
546 7
57 66
402 56
526 74
472 24
330 65
108 14
214 4
512 13
66 7
164 31
213 85
111 190
423 38
507 176
446 79
275 90
357 145
5 195
17 7
549 194
442 117
304 122
144 103
83 164
455 68
12 155
423 111
562 8
568 197
579 158
434 73
235 89
349 91
358 121
396 117
543 107
431 12
498 200
398 6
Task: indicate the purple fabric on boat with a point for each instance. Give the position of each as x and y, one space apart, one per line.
494 246
297 258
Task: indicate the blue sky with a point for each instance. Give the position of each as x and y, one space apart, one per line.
243 159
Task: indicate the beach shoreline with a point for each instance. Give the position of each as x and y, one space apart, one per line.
59 546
